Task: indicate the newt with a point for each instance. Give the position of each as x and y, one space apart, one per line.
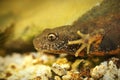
99 35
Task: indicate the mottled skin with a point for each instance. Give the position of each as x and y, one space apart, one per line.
56 40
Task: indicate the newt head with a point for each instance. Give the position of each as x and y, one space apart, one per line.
55 40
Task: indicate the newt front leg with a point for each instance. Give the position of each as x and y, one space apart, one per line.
87 40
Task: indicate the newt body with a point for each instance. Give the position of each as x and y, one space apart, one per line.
102 36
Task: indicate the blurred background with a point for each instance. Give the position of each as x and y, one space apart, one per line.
22 20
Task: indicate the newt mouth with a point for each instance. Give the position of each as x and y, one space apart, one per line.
54 51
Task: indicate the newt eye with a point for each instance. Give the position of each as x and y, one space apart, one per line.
52 37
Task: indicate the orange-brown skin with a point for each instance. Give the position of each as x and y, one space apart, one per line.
56 40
